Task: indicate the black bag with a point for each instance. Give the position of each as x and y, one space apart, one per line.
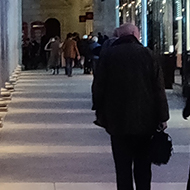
161 148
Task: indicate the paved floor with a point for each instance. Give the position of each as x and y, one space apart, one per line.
48 141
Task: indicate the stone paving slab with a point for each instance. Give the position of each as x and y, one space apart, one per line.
27 186
18 126
80 167
67 118
43 149
67 167
72 137
112 186
83 186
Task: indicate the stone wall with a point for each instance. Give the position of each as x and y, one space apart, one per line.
10 38
65 11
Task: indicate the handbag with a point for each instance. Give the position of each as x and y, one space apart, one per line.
160 148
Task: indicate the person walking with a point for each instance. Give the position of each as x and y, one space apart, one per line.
54 59
130 102
70 52
95 49
186 114
83 48
26 55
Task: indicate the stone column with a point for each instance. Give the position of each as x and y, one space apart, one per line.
19 44
14 34
1 24
10 38
106 16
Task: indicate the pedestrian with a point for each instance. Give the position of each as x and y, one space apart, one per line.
26 55
95 49
44 55
70 52
83 48
186 113
130 103
54 60
34 54
100 38
76 37
63 61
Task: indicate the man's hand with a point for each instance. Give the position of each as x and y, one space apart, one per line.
162 126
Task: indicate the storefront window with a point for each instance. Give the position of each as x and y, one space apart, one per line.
160 25
131 11
188 25
167 14
178 31
159 22
127 11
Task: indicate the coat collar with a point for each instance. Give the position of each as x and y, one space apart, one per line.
126 39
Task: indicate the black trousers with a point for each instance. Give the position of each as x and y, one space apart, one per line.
69 62
131 156
188 183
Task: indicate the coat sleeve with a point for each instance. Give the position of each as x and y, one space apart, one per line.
99 84
76 49
160 95
186 110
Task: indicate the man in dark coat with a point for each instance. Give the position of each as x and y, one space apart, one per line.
130 103
186 114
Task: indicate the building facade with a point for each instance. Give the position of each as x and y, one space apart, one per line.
71 16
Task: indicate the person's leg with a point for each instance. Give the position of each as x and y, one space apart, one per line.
85 65
123 163
53 70
142 164
57 67
67 60
142 174
71 67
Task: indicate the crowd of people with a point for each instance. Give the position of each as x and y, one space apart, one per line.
72 52
30 50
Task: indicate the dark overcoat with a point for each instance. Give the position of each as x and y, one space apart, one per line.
128 90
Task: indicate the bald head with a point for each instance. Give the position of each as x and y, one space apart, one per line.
127 29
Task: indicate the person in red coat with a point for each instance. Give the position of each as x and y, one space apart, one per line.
70 52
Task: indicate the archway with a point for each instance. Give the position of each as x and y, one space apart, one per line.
52 26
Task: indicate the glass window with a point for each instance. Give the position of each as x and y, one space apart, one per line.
161 23
131 11
188 25
167 16
178 31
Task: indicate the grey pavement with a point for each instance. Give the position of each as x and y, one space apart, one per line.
48 141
